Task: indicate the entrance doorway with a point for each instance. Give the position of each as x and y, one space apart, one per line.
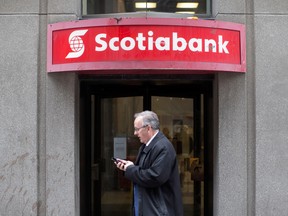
107 116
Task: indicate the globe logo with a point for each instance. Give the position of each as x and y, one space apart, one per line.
76 44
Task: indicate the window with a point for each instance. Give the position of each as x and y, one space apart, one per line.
186 8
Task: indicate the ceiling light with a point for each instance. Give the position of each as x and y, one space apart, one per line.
185 12
193 17
187 5
145 4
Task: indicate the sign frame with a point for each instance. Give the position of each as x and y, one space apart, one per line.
146 66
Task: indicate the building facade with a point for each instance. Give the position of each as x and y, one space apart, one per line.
51 122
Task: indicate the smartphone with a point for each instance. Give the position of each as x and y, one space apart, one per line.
114 159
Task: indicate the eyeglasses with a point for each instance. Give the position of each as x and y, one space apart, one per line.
137 129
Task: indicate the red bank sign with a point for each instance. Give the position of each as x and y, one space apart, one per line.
140 43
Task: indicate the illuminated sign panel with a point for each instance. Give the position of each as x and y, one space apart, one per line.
135 43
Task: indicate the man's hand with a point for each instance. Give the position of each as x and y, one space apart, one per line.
123 164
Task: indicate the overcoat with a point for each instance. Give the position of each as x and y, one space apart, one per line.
157 177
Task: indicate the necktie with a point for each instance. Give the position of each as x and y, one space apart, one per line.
136 203
136 196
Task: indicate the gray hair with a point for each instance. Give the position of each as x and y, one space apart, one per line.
149 118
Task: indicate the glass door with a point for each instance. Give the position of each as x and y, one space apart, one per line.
180 119
110 117
117 140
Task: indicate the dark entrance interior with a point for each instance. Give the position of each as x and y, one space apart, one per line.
107 107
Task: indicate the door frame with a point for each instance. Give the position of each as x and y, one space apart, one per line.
105 89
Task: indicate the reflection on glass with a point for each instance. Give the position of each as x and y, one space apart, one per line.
176 116
125 6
